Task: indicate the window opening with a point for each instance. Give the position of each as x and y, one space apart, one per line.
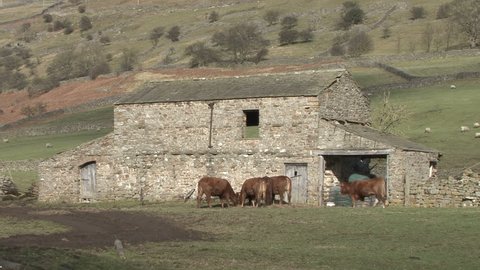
252 122
433 169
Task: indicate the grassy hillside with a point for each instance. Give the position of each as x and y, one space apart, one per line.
444 110
128 25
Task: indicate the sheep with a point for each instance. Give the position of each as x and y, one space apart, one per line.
476 125
428 130
48 145
464 129
477 134
453 86
5 140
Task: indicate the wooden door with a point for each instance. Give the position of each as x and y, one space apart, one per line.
298 174
88 182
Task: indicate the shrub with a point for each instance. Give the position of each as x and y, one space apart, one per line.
82 9
443 11
47 18
213 16
58 25
105 40
417 13
360 43
243 41
271 17
17 81
289 22
155 34
173 33
128 60
37 109
68 30
85 24
306 35
337 50
99 69
201 54
25 27
40 86
352 14
288 36
386 32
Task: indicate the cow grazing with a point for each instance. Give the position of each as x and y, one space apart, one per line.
256 189
212 186
280 185
358 190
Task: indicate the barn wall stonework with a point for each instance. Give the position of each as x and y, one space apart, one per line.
59 177
159 151
344 100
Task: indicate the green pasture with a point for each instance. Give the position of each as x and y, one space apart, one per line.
366 76
440 66
444 110
289 237
35 147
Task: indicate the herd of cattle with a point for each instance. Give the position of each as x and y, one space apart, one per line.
262 190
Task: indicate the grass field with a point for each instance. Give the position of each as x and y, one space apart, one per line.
282 238
34 147
444 110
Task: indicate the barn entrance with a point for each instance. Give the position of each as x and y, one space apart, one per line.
298 173
350 166
88 181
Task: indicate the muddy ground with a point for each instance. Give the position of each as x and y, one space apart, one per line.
95 228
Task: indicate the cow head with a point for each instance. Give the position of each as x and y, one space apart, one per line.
344 188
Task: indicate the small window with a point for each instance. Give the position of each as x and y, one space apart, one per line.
433 169
252 121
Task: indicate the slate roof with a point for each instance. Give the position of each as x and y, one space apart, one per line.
301 83
389 139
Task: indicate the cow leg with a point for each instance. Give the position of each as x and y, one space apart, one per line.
281 197
209 201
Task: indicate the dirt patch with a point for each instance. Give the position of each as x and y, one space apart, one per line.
96 229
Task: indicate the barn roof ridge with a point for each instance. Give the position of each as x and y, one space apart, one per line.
276 84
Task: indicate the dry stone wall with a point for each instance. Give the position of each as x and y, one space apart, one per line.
447 192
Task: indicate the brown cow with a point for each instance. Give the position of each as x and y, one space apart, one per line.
212 186
282 184
256 189
358 190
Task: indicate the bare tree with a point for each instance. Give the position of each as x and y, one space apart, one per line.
465 15
271 17
244 41
387 117
427 36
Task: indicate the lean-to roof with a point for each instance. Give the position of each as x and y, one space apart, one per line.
389 139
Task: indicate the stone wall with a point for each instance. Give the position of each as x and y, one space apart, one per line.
343 100
447 192
59 176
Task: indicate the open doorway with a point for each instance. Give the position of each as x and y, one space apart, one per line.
349 168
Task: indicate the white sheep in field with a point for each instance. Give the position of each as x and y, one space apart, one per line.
453 86
428 130
476 125
477 134
464 129
5 140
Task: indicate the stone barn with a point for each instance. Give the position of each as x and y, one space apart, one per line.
311 125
